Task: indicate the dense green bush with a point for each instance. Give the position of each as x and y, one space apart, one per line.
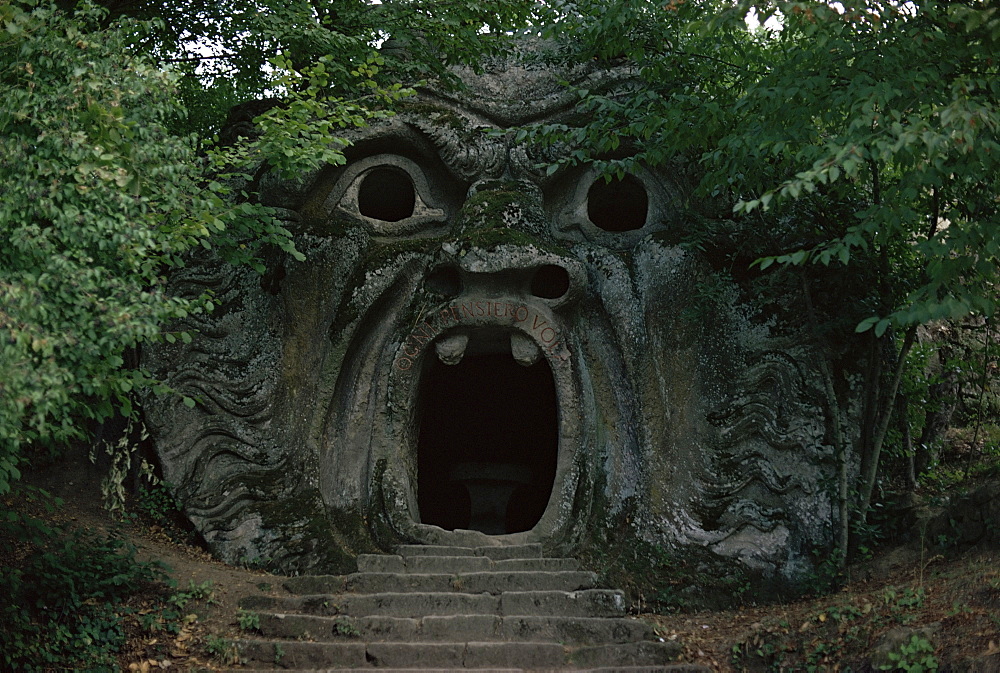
99 200
65 599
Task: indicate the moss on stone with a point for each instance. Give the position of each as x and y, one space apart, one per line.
378 255
382 532
485 227
306 532
385 249
301 535
485 208
661 578
491 237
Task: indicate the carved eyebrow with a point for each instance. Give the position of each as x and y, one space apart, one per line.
416 137
393 136
469 154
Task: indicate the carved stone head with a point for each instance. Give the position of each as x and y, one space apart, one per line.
476 351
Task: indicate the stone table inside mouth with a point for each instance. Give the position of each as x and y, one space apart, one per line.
490 487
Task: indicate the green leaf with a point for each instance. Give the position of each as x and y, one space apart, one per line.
866 324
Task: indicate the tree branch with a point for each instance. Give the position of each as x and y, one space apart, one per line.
191 59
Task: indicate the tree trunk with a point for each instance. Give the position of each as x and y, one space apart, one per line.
942 399
870 461
909 455
871 405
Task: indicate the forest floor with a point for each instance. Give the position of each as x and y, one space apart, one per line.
925 606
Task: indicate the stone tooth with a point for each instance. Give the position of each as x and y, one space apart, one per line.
451 349
524 349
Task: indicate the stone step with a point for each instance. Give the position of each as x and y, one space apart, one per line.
584 603
451 628
384 604
491 582
648 656
455 608
667 668
385 563
576 630
497 553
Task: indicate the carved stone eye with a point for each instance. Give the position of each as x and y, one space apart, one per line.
615 213
618 205
387 194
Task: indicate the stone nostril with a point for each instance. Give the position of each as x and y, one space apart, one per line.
550 282
444 280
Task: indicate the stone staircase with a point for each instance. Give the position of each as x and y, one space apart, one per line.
428 607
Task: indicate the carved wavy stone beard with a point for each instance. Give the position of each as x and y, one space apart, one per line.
243 460
442 259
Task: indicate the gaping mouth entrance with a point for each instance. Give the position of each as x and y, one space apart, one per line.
488 439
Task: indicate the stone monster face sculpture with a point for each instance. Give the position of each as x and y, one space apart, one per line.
475 352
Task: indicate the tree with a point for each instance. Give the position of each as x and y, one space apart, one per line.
99 200
871 126
230 51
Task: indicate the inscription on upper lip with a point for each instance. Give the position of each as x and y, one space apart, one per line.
544 334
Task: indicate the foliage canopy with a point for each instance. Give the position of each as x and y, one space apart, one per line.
98 199
886 108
